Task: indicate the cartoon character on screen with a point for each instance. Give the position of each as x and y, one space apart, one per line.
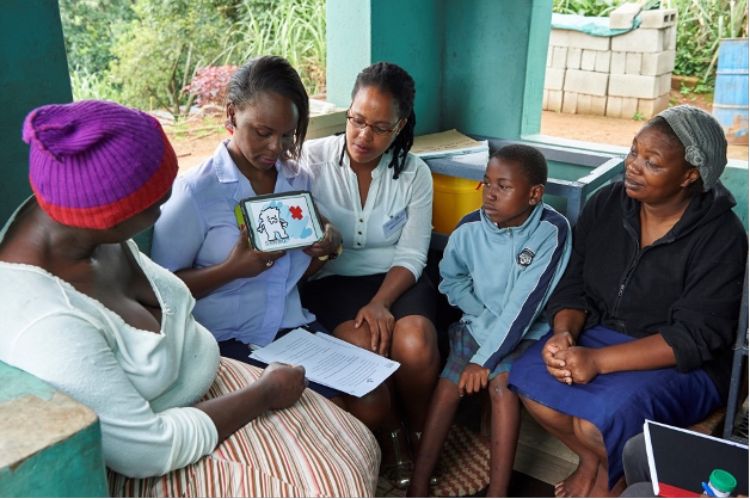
272 225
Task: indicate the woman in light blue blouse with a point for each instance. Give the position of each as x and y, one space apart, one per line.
245 297
380 197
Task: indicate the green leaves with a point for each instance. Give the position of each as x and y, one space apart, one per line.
145 53
700 26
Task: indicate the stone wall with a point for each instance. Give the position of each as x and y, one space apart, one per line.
621 76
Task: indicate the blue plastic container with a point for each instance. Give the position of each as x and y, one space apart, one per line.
730 94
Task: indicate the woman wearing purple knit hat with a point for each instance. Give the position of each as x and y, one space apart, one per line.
644 318
84 310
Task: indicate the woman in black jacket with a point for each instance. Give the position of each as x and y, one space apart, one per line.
644 318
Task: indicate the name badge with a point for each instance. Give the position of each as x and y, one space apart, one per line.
394 223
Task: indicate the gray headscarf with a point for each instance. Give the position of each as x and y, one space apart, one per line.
703 139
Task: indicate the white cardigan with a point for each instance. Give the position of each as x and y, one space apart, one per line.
138 382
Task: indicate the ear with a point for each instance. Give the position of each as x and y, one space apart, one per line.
535 194
229 123
691 177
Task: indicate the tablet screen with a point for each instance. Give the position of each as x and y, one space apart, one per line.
281 221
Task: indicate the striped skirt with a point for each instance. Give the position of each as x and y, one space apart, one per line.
312 449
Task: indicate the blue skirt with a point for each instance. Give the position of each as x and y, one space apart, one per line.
617 403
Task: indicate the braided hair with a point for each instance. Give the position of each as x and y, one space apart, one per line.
394 80
272 74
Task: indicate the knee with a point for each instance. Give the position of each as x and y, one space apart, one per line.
372 409
547 416
414 341
499 391
356 336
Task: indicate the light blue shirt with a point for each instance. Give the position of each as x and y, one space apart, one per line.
502 278
197 229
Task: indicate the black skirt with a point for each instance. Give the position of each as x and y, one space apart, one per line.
337 299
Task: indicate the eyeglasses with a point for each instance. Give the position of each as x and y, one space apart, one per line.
487 186
361 124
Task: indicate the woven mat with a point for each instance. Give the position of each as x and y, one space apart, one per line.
464 464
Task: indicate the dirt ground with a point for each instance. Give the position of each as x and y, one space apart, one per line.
197 138
617 131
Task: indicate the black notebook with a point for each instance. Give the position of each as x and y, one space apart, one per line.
680 459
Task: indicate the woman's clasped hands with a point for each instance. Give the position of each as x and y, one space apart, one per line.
567 362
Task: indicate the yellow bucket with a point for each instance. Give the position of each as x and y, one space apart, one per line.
453 198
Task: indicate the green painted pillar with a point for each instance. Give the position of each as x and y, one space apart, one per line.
478 64
50 444
495 56
34 72
408 33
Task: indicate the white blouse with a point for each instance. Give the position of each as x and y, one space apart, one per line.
394 226
139 383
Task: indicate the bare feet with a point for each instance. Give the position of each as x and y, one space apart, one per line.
580 482
601 484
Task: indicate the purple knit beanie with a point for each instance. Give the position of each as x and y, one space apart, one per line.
94 164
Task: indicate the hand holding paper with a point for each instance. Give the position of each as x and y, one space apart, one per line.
285 384
329 361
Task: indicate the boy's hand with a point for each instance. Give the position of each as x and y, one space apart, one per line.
473 378
380 321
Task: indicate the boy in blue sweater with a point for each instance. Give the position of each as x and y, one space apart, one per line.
499 267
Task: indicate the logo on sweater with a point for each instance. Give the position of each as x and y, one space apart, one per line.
525 257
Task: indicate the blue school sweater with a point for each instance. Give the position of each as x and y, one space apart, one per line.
501 278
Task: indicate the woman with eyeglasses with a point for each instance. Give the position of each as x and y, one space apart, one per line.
374 294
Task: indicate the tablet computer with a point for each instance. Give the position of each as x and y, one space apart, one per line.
282 221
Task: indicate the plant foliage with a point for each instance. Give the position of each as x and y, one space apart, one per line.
146 53
701 26
209 84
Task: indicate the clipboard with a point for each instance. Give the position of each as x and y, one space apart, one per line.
680 459
277 222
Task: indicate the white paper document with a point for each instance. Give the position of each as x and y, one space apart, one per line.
445 144
329 361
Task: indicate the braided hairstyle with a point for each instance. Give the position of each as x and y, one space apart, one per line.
272 74
394 80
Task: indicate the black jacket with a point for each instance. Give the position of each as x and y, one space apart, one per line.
686 285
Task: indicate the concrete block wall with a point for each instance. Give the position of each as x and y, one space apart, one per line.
621 76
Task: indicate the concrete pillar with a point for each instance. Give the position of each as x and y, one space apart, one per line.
478 64
50 445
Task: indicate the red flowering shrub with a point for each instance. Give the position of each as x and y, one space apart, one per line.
209 84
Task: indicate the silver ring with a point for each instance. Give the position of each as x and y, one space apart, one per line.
269 263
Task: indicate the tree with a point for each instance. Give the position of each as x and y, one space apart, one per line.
157 52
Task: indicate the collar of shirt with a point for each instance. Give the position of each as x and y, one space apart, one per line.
227 172
529 225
